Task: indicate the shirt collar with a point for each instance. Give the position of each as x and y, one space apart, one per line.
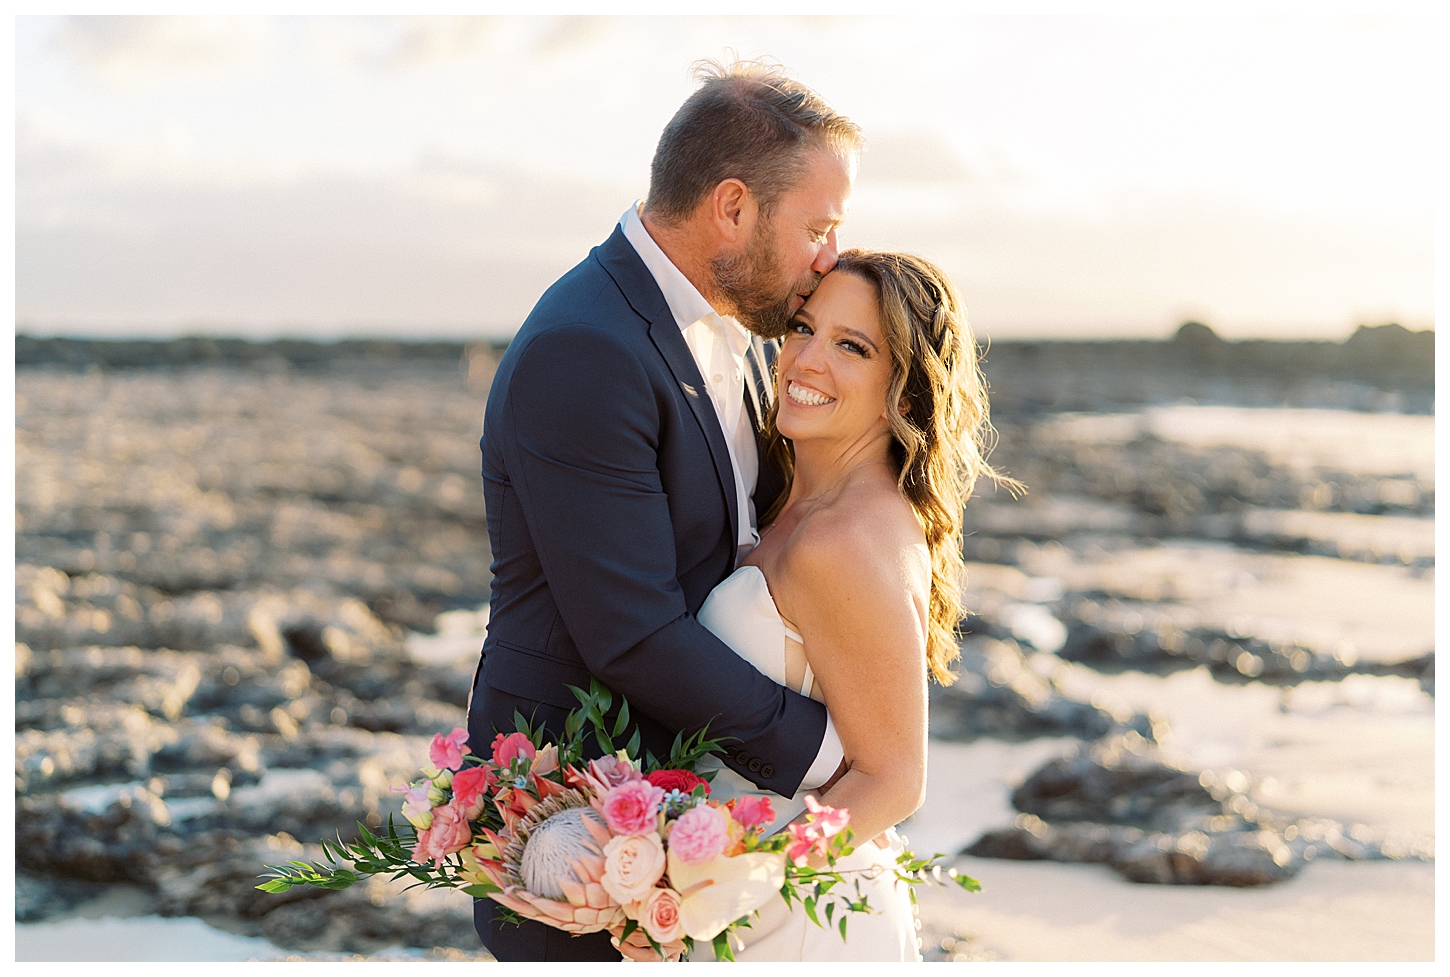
685 301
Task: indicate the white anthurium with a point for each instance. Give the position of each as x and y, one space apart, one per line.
717 893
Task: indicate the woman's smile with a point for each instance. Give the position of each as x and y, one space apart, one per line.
807 396
834 355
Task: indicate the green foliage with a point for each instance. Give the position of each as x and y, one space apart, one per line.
368 855
594 707
821 892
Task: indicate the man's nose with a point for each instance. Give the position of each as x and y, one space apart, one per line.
826 257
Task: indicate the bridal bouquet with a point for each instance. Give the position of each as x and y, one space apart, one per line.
621 843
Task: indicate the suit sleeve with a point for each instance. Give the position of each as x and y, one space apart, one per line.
582 424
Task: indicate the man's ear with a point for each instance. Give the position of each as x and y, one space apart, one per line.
733 210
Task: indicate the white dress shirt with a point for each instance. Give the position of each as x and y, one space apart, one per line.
718 344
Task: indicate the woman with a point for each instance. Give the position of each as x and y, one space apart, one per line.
852 595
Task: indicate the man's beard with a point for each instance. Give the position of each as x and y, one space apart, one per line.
752 284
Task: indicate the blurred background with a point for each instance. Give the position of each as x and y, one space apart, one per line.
265 267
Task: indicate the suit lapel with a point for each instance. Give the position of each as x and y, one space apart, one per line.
623 264
664 331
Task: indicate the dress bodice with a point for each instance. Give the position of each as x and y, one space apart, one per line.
742 613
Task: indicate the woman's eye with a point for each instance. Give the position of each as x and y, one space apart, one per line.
797 326
856 348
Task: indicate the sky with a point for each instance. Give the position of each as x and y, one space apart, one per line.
428 177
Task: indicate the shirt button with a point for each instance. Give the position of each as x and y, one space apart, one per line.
718 378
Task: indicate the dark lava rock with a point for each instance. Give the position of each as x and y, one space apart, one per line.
1112 786
1118 803
40 896
1238 858
1156 645
997 694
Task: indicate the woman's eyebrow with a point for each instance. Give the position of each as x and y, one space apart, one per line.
861 336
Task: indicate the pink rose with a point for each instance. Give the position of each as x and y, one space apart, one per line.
610 771
417 809
752 810
700 835
450 833
505 748
632 865
660 915
630 808
446 752
470 789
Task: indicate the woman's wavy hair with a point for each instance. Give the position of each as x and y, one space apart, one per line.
941 437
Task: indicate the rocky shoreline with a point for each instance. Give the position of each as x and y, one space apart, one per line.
1118 802
222 549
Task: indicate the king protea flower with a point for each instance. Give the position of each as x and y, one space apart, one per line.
550 865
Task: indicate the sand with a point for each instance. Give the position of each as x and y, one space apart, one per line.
1043 911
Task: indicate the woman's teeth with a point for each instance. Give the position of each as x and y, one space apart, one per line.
806 396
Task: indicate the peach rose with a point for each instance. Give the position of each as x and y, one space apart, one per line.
660 915
632 865
450 832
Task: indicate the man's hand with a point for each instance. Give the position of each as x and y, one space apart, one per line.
637 947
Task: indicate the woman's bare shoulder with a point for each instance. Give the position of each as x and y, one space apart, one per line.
865 538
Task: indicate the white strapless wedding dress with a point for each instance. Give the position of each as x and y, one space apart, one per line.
741 612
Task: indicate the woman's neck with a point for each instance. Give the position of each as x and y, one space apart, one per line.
821 467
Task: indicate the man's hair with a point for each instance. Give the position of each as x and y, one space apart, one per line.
748 122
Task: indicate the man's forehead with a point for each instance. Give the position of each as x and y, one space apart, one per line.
825 186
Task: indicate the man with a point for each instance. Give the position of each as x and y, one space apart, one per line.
621 454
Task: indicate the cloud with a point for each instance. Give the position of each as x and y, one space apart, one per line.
570 33
1132 269
449 246
390 44
147 51
912 157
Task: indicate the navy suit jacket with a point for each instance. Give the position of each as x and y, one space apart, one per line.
612 514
